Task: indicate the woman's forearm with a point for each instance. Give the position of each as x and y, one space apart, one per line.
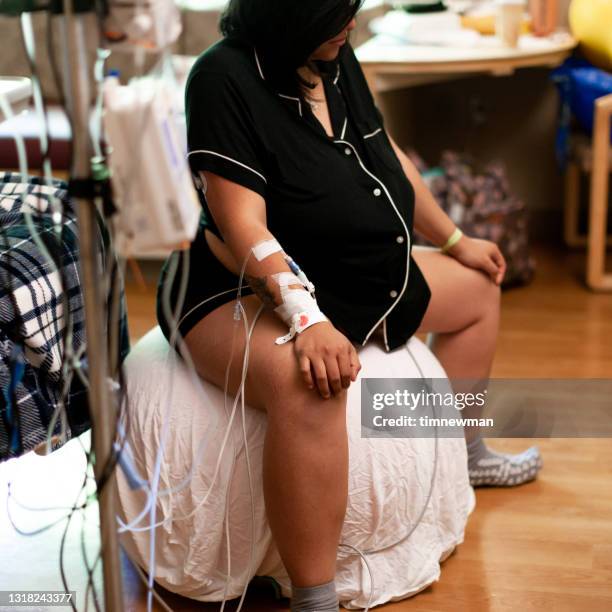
240 218
260 275
429 219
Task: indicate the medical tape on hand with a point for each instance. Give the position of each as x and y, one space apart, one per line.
265 248
285 280
299 309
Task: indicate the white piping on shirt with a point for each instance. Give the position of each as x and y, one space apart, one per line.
292 98
261 74
385 334
372 133
337 74
261 176
399 296
338 88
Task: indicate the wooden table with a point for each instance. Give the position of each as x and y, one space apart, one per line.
390 64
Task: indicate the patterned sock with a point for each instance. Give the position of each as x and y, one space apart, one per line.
320 598
489 468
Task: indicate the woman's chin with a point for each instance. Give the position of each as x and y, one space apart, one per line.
328 54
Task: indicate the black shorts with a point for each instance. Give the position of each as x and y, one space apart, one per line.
210 284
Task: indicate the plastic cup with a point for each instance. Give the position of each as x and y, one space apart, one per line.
509 20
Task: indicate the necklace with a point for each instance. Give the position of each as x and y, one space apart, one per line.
315 104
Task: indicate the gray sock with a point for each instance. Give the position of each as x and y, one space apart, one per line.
489 468
320 598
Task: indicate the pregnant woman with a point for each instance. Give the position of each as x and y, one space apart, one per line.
292 160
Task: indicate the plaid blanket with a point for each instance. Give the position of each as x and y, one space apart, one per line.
36 294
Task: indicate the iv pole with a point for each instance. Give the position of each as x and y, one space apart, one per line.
102 407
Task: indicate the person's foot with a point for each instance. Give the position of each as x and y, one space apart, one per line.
493 469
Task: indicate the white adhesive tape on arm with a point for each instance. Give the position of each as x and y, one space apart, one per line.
294 301
299 311
265 248
285 280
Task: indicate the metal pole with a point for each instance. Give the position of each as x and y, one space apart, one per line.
102 407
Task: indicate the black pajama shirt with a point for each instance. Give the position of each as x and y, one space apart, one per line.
341 207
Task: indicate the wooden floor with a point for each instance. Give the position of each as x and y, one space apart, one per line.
544 546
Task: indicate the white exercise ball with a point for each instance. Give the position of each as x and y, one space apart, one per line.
389 486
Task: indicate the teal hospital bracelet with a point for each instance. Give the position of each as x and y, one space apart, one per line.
453 240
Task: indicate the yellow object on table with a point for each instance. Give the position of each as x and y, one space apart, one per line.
485 24
591 23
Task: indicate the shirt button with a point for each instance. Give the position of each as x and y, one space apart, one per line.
393 293
399 239
347 151
377 192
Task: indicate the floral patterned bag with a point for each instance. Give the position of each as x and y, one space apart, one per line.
482 205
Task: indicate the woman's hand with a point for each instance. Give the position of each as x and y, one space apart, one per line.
327 359
481 255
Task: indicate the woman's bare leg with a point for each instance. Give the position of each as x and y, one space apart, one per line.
464 316
305 459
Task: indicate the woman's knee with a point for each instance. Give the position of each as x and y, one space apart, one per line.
491 296
289 402
311 420
292 406
485 293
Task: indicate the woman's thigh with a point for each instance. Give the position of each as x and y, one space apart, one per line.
460 296
272 369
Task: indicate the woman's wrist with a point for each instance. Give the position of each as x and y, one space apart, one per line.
453 239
